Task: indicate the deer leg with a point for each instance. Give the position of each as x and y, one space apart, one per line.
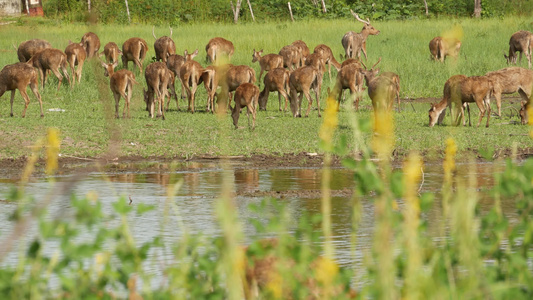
318 102
307 95
59 77
193 93
12 99
235 115
117 100
43 76
260 75
79 70
128 97
34 88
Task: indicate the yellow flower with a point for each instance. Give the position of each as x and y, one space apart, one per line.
449 160
52 150
330 122
326 270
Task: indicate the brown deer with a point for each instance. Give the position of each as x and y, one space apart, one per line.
28 48
158 78
134 49
111 52
210 80
301 81
303 51
395 78
317 61
121 83
381 89
76 56
219 48
291 56
91 44
524 114
275 80
50 59
190 75
354 43
350 61
163 46
174 63
521 41
267 62
437 110
228 82
327 54
246 95
440 48
509 81
349 77
19 76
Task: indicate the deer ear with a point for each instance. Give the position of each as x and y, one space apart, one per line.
195 52
104 64
115 64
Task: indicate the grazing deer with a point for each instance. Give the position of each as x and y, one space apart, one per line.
163 46
291 56
121 83
317 61
524 115
190 75
267 62
303 51
228 82
19 76
381 89
437 110
218 48
50 59
28 48
246 95
174 63
349 77
301 81
440 48
134 49
354 43
111 52
476 89
327 54
521 41
76 56
158 78
350 61
275 80
91 44
509 81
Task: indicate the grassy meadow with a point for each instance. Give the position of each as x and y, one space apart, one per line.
88 128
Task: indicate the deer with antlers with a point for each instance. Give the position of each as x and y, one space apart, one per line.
158 79
91 43
301 81
246 95
267 62
163 46
134 49
354 43
522 42
50 59
275 80
121 83
19 76
441 47
381 89
76 56
219 48
509 81
28 48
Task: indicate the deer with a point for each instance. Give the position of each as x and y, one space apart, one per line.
349 77
246 95
267 62
50 59
210 80
76 56
134 49
190 76
317 61
301 81
91 44
158 80
437 110
350 61
329 59
524 114
353 42
509 81
174 63
381 89
441 47
291 56
219 48
233 77
163 46
395 78
121 83
28 48
19 76
303 51
111 52
521 41
275 80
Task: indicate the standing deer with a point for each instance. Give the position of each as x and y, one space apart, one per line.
163 46
28 48
121 83
174 63
50 59
301 81
437 111
158 78
291 56
509 81
317 61
303 51
218 48
134 49
354 43
190 74
521 41
267 62
228 82
349 77
275 80
327 54
19 76
381 89
76 56
246 95
440 48
350 61
524 114
91 44
111 52
395 78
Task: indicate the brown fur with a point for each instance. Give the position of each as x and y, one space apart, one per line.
437 110
164 47
246 95
509 81
19 76
190 75
91 44
303 51
522 42
28 48
440 48
275 80
218 48
476 89
174 63
291 56
158 79
234 77
134 49
267 62
354 43
76 56
301 81
349 77
121 83
50 59
111 52
329 59
395 78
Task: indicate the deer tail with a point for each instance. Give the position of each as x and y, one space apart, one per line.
153 33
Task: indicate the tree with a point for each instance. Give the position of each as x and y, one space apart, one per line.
477 8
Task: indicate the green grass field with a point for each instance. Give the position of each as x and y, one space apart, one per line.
88 129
